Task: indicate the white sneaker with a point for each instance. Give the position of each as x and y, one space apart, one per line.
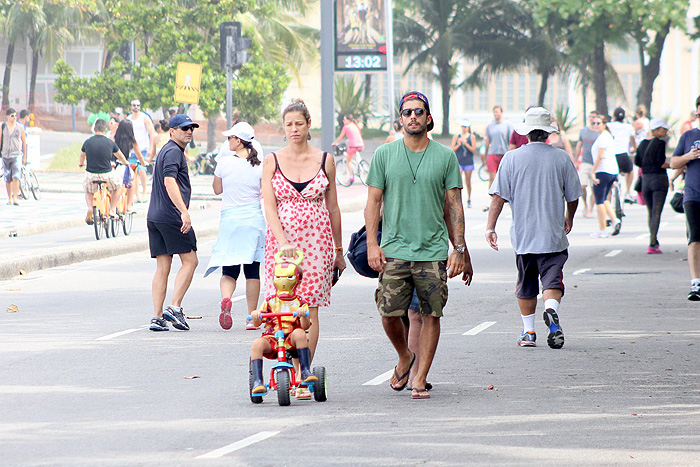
600 234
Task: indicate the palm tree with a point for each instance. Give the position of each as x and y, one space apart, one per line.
436 34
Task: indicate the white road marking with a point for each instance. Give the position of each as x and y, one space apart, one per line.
383 378
256 438
581 271
639 237
478 226
477 329
613 253
120 333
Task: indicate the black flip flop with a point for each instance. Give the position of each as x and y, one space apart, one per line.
416 395
405 375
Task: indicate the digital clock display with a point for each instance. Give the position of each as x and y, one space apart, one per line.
361 62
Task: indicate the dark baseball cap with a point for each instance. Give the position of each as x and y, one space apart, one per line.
413 95
180 120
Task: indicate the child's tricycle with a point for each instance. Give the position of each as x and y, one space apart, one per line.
286 318
283 378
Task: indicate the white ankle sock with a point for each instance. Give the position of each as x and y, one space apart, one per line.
551 303
528 322
695 282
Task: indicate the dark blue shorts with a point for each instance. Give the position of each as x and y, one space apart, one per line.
602 189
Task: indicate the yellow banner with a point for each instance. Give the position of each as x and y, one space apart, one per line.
187 82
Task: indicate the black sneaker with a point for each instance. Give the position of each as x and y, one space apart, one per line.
618 226
694 294
177 317
555 337
158 324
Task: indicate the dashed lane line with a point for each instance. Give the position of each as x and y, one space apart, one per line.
477 329
256 438
581 271
381 379
120 333
613 253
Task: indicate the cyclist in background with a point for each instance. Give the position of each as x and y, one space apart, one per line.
355 142
14 154
98 150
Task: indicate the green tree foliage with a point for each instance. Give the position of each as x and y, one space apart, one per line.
350 99
165 33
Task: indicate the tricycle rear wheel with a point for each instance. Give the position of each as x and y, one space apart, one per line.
320 386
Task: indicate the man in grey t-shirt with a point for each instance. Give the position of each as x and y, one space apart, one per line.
537 180
586 138
496 140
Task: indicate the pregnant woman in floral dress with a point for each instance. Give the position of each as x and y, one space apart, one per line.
301 207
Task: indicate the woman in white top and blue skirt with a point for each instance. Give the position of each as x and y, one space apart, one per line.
241 239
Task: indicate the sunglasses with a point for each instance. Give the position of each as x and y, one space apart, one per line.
136 105
596 123
187 128
418 112
231 137
13 115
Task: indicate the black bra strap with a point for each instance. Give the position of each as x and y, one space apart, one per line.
323 162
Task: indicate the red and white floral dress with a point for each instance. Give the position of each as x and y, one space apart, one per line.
307 225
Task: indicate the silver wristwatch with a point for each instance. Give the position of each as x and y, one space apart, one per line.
461 249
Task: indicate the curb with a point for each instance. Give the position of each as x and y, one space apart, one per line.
64 256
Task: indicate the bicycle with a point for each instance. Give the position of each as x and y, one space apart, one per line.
358 166
616 199
103 223
28 182
483 173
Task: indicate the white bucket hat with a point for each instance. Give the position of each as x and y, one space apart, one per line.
658 123
536 118
241 130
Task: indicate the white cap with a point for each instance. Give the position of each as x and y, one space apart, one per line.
658 123
241 130
465 123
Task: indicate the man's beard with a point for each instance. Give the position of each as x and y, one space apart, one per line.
417 132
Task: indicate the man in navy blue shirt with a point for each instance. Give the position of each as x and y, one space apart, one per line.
169 225
686 156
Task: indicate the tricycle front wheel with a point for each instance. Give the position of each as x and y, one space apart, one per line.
283 396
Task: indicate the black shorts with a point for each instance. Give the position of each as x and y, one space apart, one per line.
624 163
251 271
692 217
166 239
547 267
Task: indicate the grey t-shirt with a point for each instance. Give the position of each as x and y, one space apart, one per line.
587 137
499 136
536 179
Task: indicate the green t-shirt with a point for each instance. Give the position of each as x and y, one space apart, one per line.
414 227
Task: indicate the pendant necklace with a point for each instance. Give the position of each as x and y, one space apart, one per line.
419 162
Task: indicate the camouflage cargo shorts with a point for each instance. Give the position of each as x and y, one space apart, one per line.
397 281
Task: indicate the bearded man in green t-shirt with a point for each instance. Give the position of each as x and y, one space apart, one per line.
419 185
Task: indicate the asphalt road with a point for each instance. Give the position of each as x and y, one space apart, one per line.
85 383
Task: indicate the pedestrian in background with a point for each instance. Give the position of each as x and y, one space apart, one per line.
169 224
241 239
301 208
651 158
559 140
586 138
641 124
126 141
415 178
605 171
542 187
624 144
496 141
397 132
464 146
147 137
686 156
14 153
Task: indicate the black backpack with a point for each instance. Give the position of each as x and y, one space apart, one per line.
357 252
2 132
